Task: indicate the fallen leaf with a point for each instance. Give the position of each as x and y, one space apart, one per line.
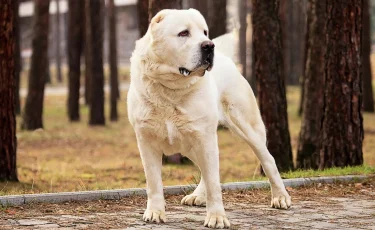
10 212
358 185
289 189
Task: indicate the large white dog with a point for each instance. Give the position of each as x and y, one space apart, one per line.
179 93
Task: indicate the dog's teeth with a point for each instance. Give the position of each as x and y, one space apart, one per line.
186 72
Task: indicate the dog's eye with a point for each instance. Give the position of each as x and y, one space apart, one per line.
184 33
205 32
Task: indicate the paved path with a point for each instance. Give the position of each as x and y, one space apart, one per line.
330 213
319 206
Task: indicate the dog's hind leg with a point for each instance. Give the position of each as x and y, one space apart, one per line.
198 197
243 118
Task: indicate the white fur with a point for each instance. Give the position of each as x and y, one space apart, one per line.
172 113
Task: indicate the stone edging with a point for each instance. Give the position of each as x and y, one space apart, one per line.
171 190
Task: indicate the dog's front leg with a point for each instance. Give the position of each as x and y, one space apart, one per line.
207 155
152 163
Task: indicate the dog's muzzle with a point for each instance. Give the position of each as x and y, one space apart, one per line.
208 54
207 60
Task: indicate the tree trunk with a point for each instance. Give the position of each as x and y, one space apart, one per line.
242 36
142 11
32 116
113 60
268 69
94 44
201 6
157 5
57 42
87 69
47 77
250 45
368 97
75 39
305 54
8 139
302 96
309 139
217 18
251 64
253 79
87 93
17 56
342 122
293 17
297 43
285 22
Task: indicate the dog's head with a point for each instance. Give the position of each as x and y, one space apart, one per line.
180 40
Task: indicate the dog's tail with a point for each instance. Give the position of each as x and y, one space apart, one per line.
227 44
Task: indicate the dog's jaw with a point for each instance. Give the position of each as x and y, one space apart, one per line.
205 65
186 72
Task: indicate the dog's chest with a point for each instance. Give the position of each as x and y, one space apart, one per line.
170 126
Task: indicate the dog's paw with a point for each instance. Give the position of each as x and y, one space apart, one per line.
283 201
155 216
214 220
196 200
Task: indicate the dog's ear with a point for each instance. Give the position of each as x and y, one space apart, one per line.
156 22
159 16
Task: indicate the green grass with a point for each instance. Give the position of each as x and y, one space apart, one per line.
336 171
355 170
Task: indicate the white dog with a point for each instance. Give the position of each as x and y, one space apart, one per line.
175 105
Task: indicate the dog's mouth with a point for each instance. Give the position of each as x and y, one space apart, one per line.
204 66
184 71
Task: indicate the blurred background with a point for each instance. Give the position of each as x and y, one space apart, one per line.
72 127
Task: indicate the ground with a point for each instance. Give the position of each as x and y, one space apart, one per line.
320 206
67 156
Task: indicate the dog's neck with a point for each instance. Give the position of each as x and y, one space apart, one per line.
159 93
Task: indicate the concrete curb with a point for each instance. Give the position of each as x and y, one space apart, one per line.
171 190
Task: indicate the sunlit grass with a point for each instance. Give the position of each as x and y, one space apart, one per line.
356 170
336 171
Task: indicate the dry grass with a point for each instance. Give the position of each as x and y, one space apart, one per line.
73 156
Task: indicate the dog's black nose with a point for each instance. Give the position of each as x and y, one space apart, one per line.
208 46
